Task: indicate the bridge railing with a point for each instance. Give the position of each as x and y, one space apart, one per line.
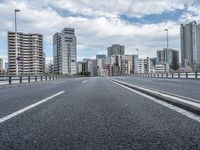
174 75
28 79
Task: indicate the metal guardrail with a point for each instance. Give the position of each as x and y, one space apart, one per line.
27 79
182 75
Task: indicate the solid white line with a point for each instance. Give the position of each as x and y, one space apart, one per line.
84 81
193 103
172 107
27 108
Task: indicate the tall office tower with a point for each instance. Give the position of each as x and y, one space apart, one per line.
64 52
190 45
115 50
169 56
1 66
30 54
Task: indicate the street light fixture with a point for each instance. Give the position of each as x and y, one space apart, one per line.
16 50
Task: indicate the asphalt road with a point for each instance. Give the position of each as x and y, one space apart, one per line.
184 87
92 113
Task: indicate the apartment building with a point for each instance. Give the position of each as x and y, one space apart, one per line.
30 57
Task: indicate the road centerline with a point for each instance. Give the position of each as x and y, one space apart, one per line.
5 118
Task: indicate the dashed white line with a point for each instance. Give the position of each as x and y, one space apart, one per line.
84 81
28 107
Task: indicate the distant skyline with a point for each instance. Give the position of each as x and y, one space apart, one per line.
99 24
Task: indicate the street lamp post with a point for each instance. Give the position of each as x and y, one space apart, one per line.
167 45
16 50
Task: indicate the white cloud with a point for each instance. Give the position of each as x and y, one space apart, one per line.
97 23
192 13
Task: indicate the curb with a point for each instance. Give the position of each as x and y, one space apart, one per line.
193 107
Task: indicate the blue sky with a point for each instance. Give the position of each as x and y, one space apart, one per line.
99 24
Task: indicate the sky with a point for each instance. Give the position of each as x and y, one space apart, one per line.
136 24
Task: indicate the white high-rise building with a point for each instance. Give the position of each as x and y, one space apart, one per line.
64 52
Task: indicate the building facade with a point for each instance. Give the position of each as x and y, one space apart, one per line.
101 60
91 67
65 52
140 65
147 65
190 45
79 67
115 50
1 66
30 54
169 56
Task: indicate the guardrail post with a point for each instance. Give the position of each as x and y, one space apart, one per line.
172 75
179 75
35 78
162 74
20 79
41 78
29 79
196 75
10 80
167 75
186 75
46 78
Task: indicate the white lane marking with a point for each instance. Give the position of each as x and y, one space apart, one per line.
167 94
170 106
28 107
84 81
193 103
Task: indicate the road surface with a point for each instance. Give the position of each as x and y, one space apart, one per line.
89 113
